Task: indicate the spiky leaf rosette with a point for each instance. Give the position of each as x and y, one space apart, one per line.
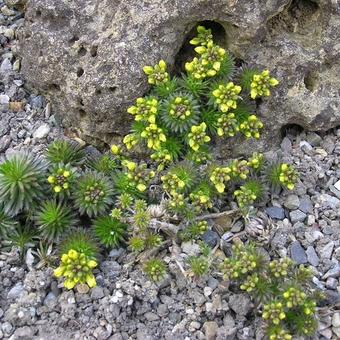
186 173
80 240
155 269
53 219
105 164
7 224
179 112
67 152
110 231
94 194
123 185
245 77
197 87
210 117
22 237
166 89
227 69
22 179
198 265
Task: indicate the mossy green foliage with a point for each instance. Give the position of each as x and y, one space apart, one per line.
282 290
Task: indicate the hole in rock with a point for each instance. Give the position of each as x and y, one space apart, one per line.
80 71
38 13
98 92
112 89
187 52
54 87
82 51
82 113
93 51
291 129
73 39
311 80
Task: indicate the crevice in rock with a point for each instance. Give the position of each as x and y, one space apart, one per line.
54 87
80 72
82 51
311 80
94 51
187 52
299 16
82 113
38 13
291 129
73 39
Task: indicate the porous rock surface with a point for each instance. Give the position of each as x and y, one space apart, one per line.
87 55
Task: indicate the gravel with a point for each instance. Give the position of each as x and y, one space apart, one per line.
303 224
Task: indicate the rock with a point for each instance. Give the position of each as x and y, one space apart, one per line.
92 85
336 320
210 330
306 147
16 291
312 256
335 191
15 3
23 333
5 142
292 202
190 248
36 102
4 103
297 216
286 145
42 131
313 138
151 316
331 283
5 66
275 212
50 300
333 272
328 201
337 185
240 304
306 205
326 251
97 293
210 238
298 253
82 288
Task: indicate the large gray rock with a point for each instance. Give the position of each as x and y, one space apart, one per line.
87 55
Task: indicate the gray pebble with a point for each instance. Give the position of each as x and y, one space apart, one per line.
298 254
292 202
297 216
97 293
275 212
306 205
210 238
312 256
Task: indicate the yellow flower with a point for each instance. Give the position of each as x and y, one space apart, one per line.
115 149
91 281
57 188
58 272
51 179
69 284
66 173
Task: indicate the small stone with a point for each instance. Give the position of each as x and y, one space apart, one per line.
82 288
210 329
336 320
297 216
286 145
337 185
336 331
97 293
207 291
36 102
314 139
333 272
190 248
16 106
16 291
23 333
298 253
210 238
151 316
335 191
306 147
276 213
16 65
194 325
5 142
213 283
42 131
50 300
332 283
292 202
6 327
310 220
327 333
4 103
5 66
240 304
328 201
312 256
306 205
326 251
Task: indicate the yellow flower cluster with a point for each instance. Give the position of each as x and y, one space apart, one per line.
250 283
138 174
244 197
172 183
157 74
198 137
145 110
239 169
76 268
251 127
130 140
274 312
226 96
211 56
280 334
261 84
177 200
287 176
219 176
162 157
60 180
255 160
154 135
180 108
279 268
200 199
227 125
294 297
